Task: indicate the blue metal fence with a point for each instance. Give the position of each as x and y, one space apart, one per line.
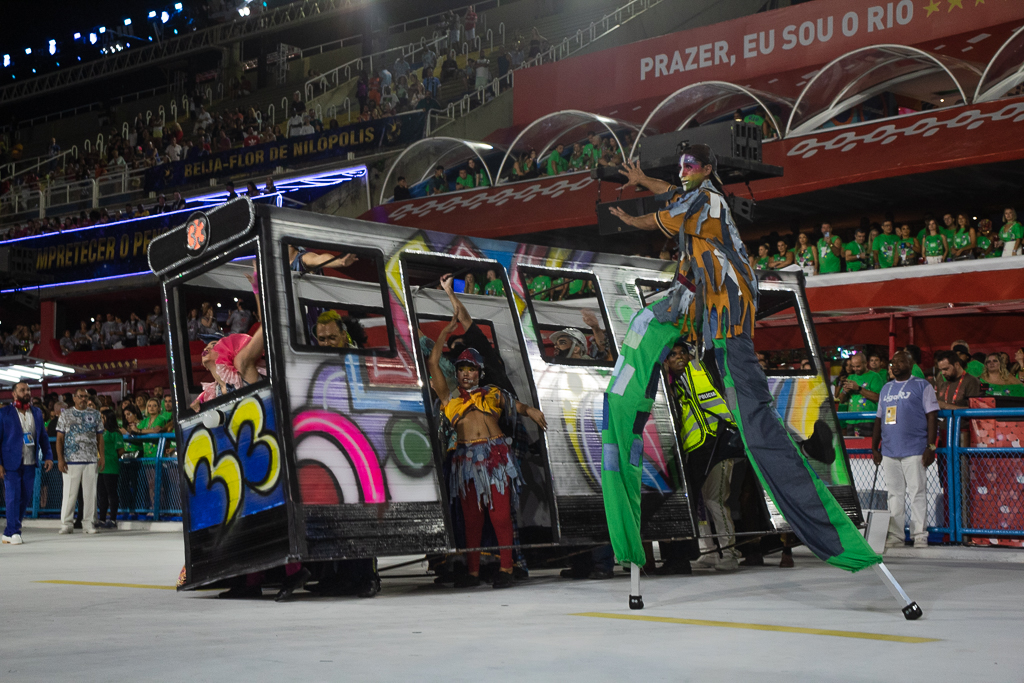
972 491
147 488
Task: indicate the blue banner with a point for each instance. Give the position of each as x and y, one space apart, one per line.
260 160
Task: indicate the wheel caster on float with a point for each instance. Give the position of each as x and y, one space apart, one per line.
637 602
912 612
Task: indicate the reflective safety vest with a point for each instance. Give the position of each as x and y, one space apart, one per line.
700 406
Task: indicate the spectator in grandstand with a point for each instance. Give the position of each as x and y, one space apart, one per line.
860 391
857 253
83 338
79 455
161 206
402 190
463 181
956 387
986 244
760 262
251 190
269 187
997 380
297 105
113 334
903 441
556 162
156 325
449 68
1017 368
22 437
914 352
401 68
878 365
469 21
1008 242
806 254
251 138
437 184
230 187
208 325
934 244
970 363
203 120
67 344
907 249
482 71
537 42
192 325
470 286
884 246
240 319
173 151
965 238
783 257
179 202
428 59
141 211
306 128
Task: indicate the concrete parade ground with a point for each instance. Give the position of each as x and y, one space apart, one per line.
103 608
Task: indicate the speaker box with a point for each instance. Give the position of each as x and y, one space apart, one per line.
728 139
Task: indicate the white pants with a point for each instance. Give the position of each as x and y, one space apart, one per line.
906 476
86 476
716 494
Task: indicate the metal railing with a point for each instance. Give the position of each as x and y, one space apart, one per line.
21 203
148 486
971 490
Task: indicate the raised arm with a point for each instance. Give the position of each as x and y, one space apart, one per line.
591 320
458 309
639 178
645 222
437 381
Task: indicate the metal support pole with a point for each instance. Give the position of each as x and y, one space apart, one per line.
910 609
636 601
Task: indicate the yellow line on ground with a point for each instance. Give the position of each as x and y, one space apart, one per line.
762 627
111 585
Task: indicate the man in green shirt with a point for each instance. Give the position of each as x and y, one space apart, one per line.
879 365
464 181
557 163
915 355
592 150
948 226
861 389
540 287
494 286
858 253
884 248
830 251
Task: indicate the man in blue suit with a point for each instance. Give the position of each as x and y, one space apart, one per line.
22 434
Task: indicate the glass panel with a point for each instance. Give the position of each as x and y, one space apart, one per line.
780 339
569 316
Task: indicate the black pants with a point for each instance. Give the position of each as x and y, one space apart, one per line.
106 494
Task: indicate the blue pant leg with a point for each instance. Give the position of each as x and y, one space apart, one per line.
12 500
28 489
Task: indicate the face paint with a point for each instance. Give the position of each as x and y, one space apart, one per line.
691 171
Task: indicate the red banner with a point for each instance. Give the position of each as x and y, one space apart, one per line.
916 143
795 39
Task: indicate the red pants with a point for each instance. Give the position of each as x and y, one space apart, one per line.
500 513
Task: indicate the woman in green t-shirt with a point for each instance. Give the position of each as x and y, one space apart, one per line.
806 255
106 484
760 262
471 286
965 239
997 380
936 248
986 240
153 423
1017 370
907 249
1011 234
784 257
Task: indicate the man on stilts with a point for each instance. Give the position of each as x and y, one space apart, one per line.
712 302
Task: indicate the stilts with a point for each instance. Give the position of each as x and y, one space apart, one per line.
636 601
910 609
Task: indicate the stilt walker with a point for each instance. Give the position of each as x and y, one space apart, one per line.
717 309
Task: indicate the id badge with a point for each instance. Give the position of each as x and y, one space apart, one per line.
29 439
890 415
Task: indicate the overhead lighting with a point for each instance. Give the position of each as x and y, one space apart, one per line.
165 17
77 36
92 38
103 29
177 6
28 50
25 371
62 368
53 47
7 60
7 377
152 14
127 45
127 22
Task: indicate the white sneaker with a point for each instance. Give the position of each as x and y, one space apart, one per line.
728 563
66 529
921 542
90 529
706 561
16 539
5 539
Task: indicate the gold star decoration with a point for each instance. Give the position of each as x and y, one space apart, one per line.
955 3
931 8
979 2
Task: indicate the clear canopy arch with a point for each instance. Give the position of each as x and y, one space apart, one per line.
417 161
858 75
1005 71
709 100
561 127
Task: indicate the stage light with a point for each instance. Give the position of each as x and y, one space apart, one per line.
127 22
28 50
77 36
127 45
175 31
53 47
7 60
165 17
152 14
177 6
103 29
92 38
33 70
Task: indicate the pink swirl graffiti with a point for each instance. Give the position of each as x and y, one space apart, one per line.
359 451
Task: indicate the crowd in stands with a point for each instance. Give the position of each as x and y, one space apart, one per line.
958 237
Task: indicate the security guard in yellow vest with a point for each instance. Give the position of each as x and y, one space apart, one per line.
707 431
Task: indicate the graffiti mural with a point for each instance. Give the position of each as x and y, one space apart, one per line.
234 470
